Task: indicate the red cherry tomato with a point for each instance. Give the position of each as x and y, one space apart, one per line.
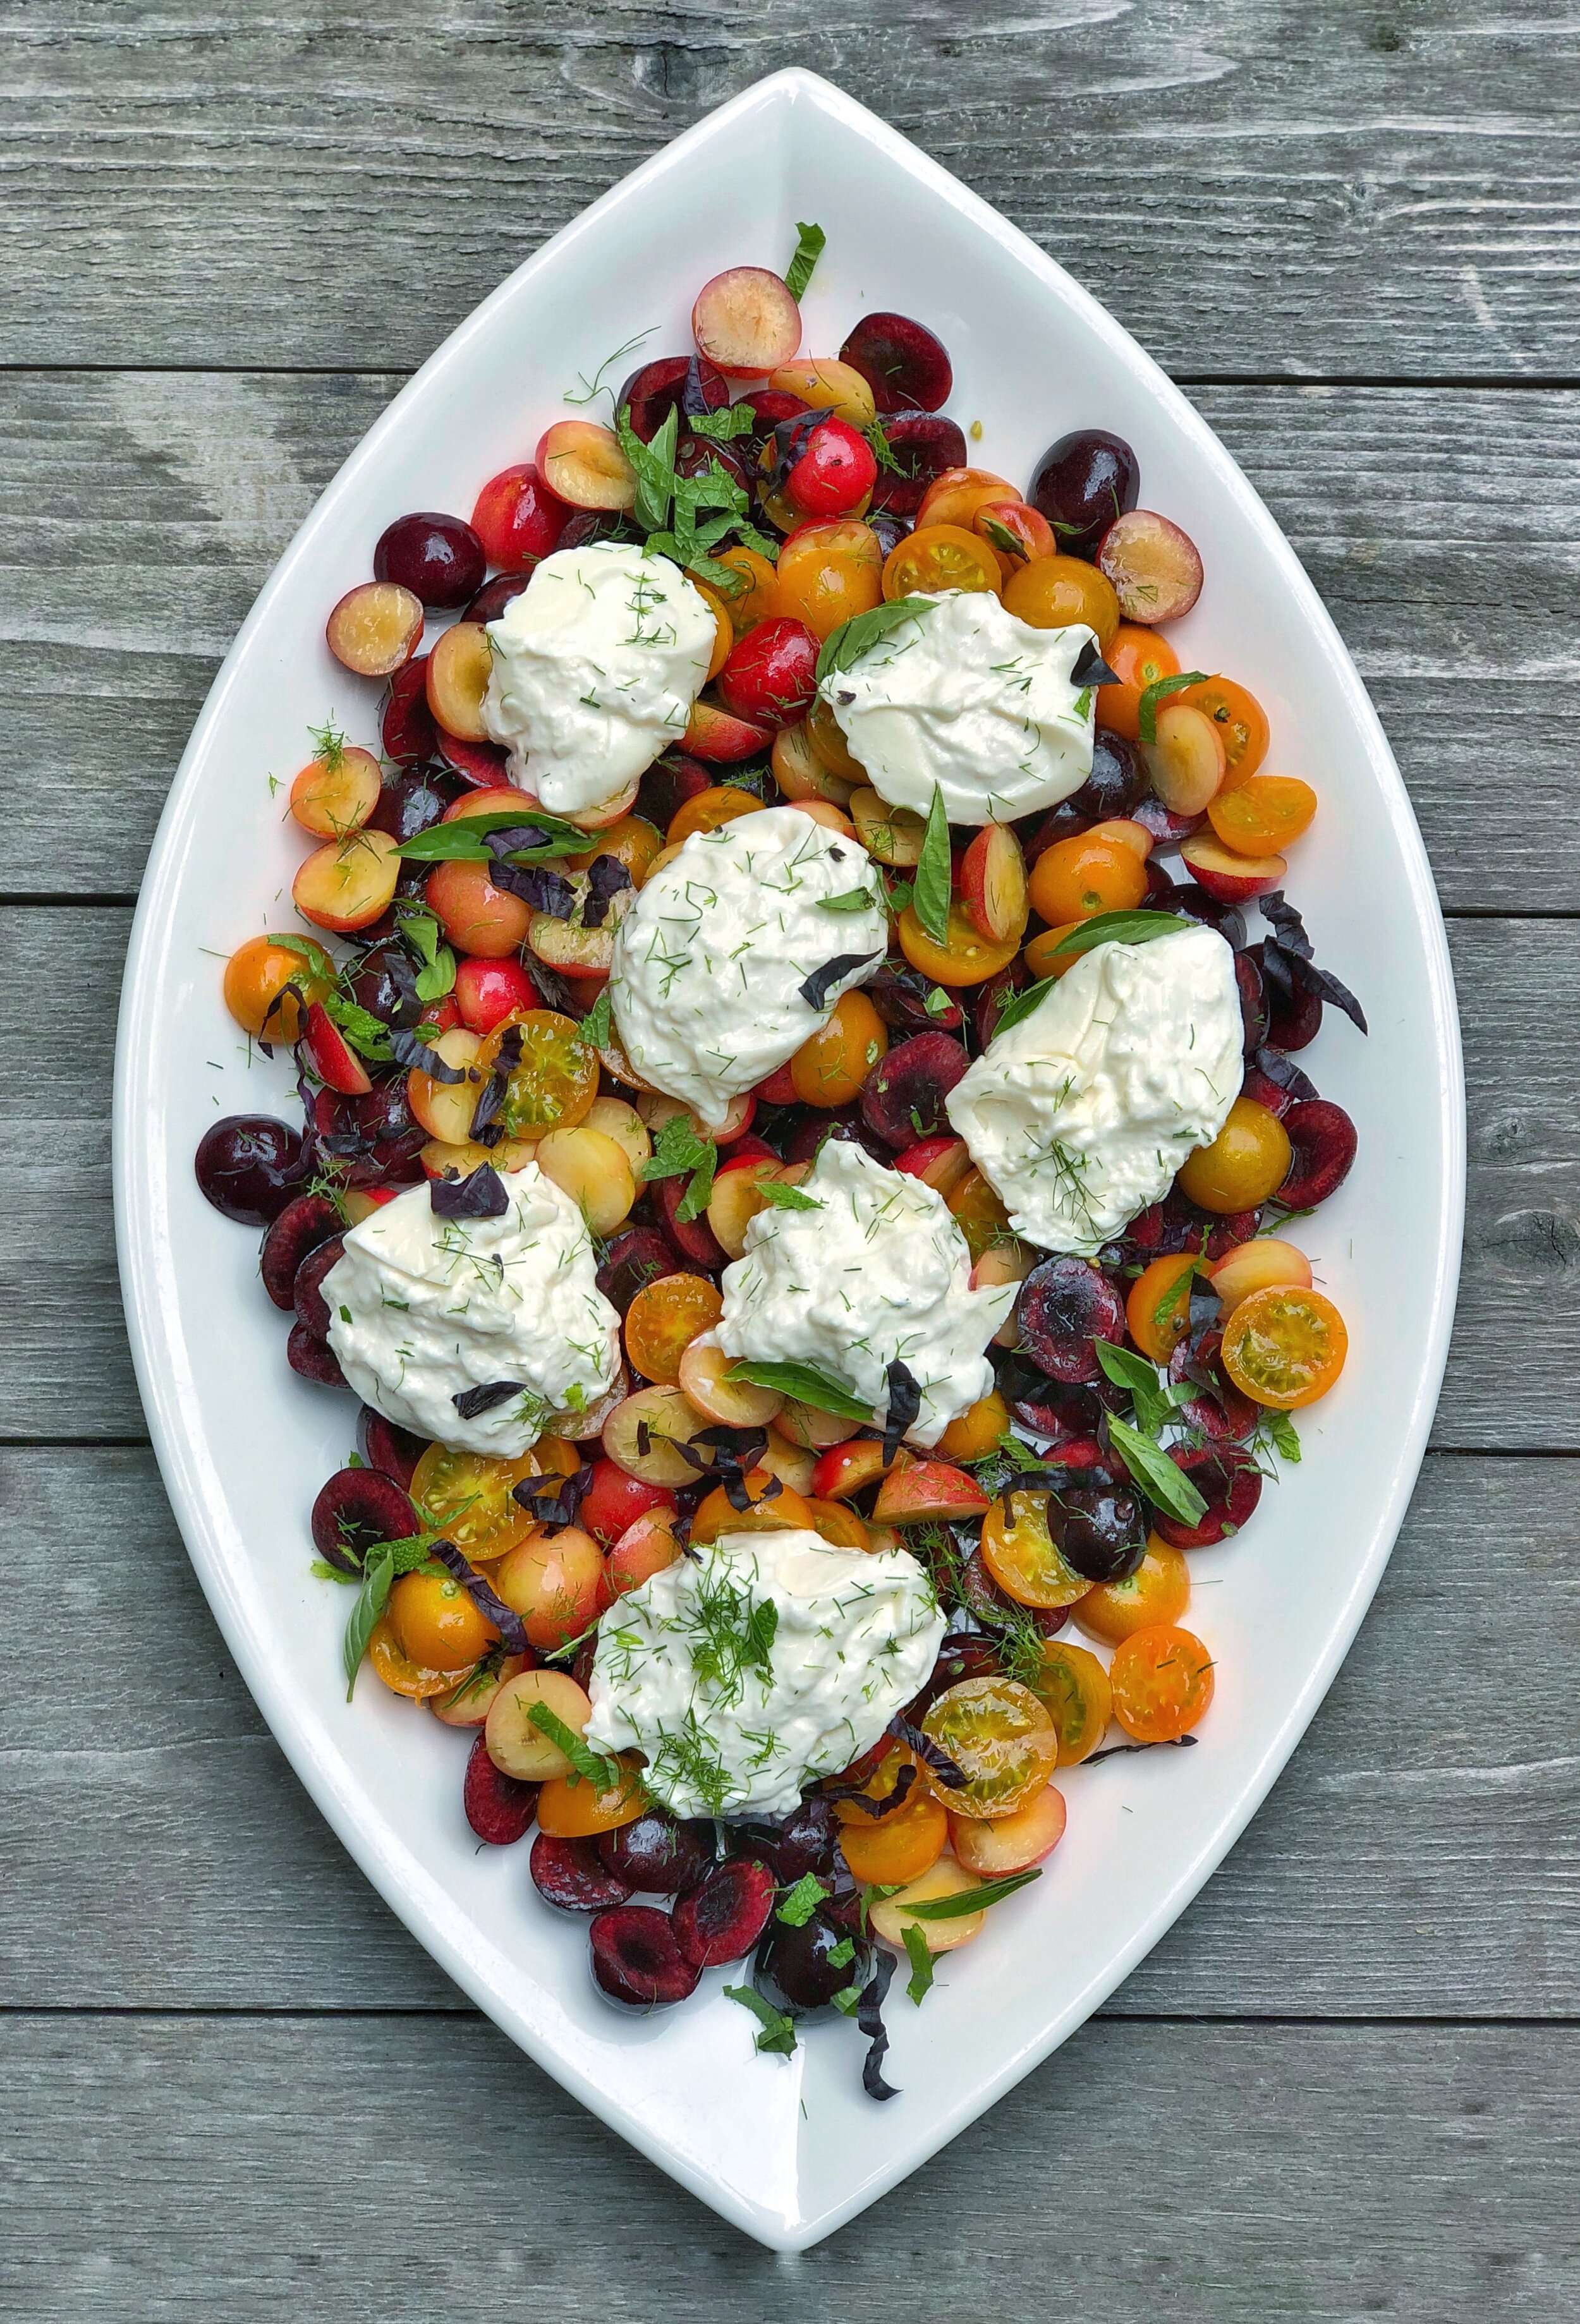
771 674
487 990
837 471
614 1501
518 519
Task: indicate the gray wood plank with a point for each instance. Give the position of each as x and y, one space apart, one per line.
1282 2175
1517 1341
144 512
1254 186
1419 1858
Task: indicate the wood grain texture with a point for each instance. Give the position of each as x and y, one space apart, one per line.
1420 1857
1517 1339
144 512
255 2169
1253 185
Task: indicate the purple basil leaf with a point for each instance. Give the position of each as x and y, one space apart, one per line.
513 1634
480 1197
815 989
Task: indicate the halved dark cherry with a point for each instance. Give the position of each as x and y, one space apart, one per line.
311 1307
1217 1409
1230 1482
694 1239
568 1874
906 365
306 1221
902 1098
805 1840
1065 1304
385 983
636 1958
1117 783
249 1166
659 1854
1081 483
495 595
901 996
925 444
1252 1003
1324 1139
356 1509
393 1452
668 783
584 525
499 1808
408 731
660 387
721 1919
313 1357
477 766
812 1133
989 999
1164 825
414 801
696 455
633 1260
439 558
770 405
1101 1533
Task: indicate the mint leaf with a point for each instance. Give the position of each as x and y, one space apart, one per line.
809 249
935 874
1158 691
971 1900
919 1952
368 1035
798 1904
779 2032
721 427
778 1196
699 1193
807 1385
1280 1430
853 899
1158 1476
847 643
1122 928
654 468
677 1150
597 1029
586 1763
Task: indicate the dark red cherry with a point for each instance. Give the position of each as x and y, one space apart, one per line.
902 1098
439 558
313 1357
1081 483
1117 783
905 364
633 1260
924 444
770 405
356 1509
568 1874
694 1239
413 801
1230 1482
805 1840
901 996
306 1221
249 1166
1101 1533
409 730
495 595
1324 1139
1066 1304
668 783
688 385
798 1971
394 1452
659 1854
499 1808
636 1958
722 1918
311 1307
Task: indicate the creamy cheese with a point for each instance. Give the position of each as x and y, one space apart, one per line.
768 1659
711 958
596 665
1080 1115
878 1273
424 1308
969 699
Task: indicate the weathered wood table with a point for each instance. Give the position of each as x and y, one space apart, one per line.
1346 2083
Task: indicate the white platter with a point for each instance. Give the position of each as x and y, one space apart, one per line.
788 2149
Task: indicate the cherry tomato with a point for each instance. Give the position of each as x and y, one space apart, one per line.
975 1433
1262 815
1015 532
1022 1557
555 1582
518 519
1073 1688
771 676
1157 1313
1053 592
829 572
707 810
1001 1739
1247 1161
632 841
900 1846
555 1082
1240 719
436 1622
940 557
955 497
1162 1683
662 1321
980 1215
1138 658
759 600
487 991
1043 956
827 740
568 1807
828 1070
1285 1346
468 1496
613 1501
398 1673
255 977
1076 879
1158 1591
771 1507
476 916
837 470
966 957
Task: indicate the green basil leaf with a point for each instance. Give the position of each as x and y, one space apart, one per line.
970 1900
1158 691
371 1600
1157 1475
807 1385
1014 1007
851 639
1122 928
809 249
935 874
855 900
778 1196
1127 1370
919 1953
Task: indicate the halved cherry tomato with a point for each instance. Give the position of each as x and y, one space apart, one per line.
966 957
955 497
1260 815
1285 1346
759 600
662 1321
897 1848
468 1496
1053 592
1240 719
940 557
1000 1738
1022 1557
398 1673
1138 658
1158 1591
557 1080
771 1507
707 810
829 572
1156 1311
1162 1683
828 1069
569 1807
1073 1688
979 1213
256 975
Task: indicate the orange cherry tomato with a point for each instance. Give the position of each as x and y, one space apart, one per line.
1260 815
1073 1688
398 1673
662 1321
1240 719
1156 1311
759 601
1015 532
829 572
1246 1163
1043 956
771 1507
1053 592
1001 1739
632 841
827 740
724 803
468 1496
556 1082
436 1623
966 957
979 1213
900 1847
1022 1557
1076 879
569 1807
828 1070
255 977
1162 1683
1158 1591
972 1438
1138 658
1285 1346
724 629
940 557
955 497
